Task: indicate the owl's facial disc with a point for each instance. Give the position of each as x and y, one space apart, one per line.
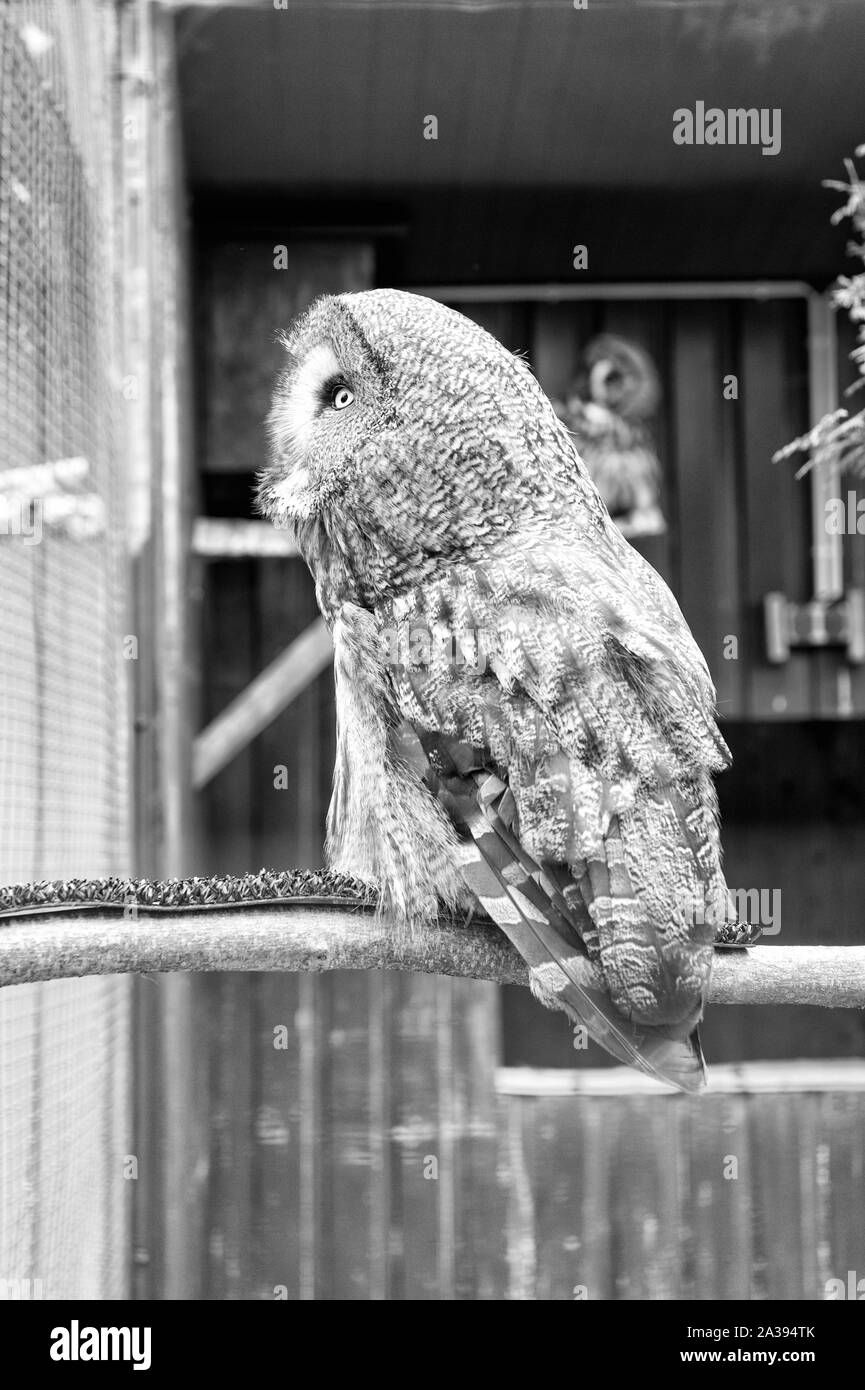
307 426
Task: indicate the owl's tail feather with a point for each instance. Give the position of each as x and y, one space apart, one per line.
532 912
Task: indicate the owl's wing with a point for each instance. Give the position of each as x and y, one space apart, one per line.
534 905
570 732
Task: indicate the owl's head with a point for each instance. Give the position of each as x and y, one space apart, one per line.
334 396
403 433
619 375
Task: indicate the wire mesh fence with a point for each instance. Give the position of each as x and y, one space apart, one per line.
64 1047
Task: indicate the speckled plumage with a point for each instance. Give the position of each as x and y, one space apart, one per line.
523 714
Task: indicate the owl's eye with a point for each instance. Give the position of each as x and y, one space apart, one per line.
340 397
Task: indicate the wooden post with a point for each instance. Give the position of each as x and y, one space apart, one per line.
159 473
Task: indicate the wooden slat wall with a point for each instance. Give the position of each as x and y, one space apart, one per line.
533 1198
628 1199
774 505
370 1156
709 531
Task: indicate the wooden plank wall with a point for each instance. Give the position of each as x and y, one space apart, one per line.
636 1198
357 1146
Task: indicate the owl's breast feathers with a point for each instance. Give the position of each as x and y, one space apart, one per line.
552 700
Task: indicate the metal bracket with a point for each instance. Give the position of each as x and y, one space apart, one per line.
818 624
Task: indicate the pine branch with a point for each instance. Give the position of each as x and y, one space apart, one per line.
838 440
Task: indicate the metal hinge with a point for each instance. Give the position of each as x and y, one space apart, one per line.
818 624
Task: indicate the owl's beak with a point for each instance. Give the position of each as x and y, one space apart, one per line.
297 481
288 499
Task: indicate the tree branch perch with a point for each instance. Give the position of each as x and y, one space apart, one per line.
296 937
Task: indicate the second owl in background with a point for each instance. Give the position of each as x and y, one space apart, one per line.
608 410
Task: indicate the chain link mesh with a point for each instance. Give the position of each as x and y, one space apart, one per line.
64 1046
